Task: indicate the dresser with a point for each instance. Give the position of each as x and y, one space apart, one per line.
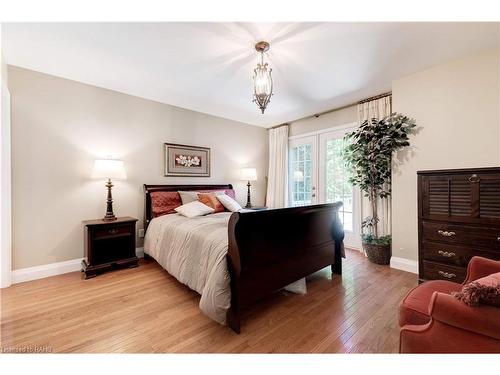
458 218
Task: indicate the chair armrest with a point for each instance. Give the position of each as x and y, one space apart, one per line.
481 267
483 319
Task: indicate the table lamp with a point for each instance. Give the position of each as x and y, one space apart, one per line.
248 174
110 169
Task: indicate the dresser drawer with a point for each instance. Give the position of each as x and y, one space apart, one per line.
114 231
440 271
452 254
447 253
485 237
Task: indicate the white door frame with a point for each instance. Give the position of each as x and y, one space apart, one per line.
352 239
313 140
5 186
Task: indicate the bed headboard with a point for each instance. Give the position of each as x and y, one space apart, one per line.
148 189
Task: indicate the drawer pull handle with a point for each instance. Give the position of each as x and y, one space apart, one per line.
447 275
113 231
474 178
445 233
446 253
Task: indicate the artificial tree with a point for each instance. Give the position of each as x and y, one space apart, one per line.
369 160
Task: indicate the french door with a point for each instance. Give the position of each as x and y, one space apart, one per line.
318 174
303 171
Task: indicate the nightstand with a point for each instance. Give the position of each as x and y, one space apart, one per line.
108 244
254 208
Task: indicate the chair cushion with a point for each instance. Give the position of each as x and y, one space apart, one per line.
414 308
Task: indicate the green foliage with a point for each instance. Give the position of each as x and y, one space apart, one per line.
372 240
368 224
368 156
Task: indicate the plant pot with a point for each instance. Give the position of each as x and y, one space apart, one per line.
379 254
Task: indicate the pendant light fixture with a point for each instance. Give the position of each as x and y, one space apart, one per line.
262 80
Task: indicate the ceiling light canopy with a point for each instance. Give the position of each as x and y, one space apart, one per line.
262 80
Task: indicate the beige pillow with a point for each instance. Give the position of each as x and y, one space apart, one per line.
194 209
188 196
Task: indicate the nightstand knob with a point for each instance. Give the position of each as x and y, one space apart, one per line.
113 231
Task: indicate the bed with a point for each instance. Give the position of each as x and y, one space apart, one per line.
235 259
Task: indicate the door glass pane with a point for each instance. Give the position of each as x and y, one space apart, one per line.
337 186
301 175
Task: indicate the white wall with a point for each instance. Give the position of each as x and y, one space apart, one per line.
5 179
457 106
339 117
59 127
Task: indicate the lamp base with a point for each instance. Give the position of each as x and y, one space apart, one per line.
110 216
249 204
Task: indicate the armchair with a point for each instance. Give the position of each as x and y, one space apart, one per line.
451 326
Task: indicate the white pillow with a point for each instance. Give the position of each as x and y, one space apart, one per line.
229 203
194 209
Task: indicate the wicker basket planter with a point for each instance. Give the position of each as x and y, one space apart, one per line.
379 254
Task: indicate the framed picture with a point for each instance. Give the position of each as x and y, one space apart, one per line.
186 161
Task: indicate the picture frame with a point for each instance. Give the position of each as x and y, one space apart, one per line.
186 161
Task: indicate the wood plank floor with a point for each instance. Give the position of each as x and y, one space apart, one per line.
146 310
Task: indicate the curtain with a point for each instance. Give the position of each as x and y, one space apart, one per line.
378 108
277 186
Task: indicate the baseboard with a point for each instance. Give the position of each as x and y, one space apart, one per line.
40 272
53 269
404 264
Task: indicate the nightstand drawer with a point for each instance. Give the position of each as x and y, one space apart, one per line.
114 231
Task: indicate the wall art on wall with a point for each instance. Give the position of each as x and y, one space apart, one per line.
185 161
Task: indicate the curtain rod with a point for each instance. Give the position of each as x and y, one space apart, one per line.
379 96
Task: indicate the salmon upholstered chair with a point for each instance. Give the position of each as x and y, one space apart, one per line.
434 321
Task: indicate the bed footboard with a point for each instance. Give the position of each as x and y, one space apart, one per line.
273 248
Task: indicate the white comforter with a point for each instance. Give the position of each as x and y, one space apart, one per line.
194 252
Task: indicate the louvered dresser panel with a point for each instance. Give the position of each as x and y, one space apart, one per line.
459 217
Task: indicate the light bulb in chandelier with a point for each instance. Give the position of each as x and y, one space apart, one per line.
262 80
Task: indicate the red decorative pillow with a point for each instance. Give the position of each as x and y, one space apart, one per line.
485 290
211 201
164 202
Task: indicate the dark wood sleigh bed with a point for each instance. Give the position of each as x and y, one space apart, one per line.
269 249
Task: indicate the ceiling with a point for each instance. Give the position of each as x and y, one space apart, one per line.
208 67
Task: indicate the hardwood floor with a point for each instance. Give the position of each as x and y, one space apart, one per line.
146 310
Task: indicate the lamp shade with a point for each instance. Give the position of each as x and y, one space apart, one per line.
248 174
108 168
